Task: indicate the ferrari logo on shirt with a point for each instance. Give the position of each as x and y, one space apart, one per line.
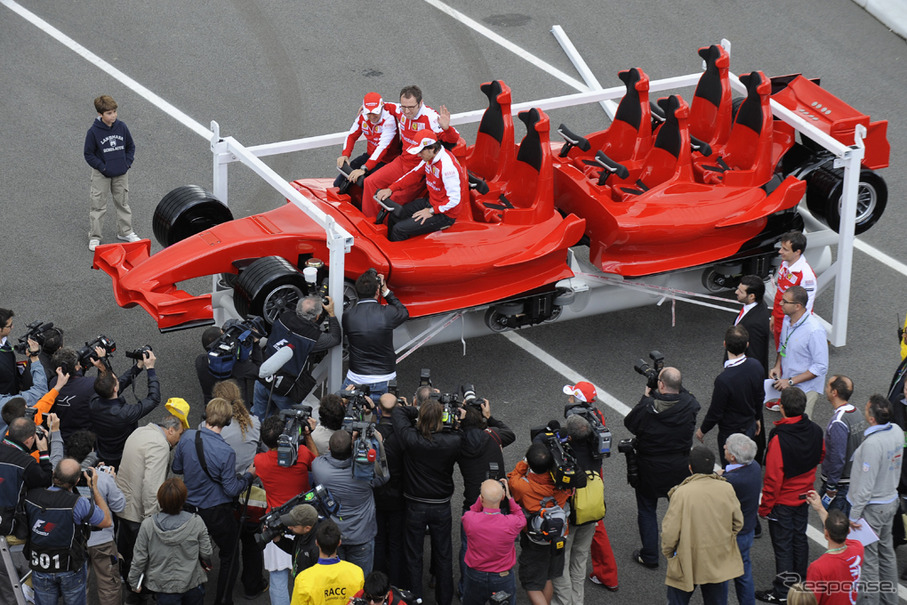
434 170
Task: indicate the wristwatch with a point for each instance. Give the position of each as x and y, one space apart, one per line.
790 381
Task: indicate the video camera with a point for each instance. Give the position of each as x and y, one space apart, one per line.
297 419
357 409
651 372
601 432
450 417
87 354
37 331
235 344
319 496
565 466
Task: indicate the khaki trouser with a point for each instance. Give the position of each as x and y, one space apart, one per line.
118 187
107 572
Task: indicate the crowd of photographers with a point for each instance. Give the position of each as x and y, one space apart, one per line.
338 508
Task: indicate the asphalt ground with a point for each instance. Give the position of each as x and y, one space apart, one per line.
271 71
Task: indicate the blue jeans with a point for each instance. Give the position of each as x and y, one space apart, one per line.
376 389
362 555
280 588
70 585
840 502
744 584
437 518
480 585
260 404
712 594
787 527
647 520
195 596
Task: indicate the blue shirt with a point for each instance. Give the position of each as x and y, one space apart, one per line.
804 347
221 461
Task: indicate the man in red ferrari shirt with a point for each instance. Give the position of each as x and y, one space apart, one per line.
375 121
412 116
445 180
795 449
794 271
833 577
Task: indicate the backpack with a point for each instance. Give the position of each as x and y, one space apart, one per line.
587 505
548 525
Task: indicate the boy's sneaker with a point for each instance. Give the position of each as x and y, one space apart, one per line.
595 580
773 405
129 237
93 243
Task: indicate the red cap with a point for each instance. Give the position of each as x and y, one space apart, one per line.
423 138
372 103
583 391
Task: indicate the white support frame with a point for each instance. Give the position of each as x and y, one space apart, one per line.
227 150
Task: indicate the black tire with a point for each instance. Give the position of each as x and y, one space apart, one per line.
823 197
268 287
186 211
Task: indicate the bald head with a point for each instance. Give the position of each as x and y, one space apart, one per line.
492 493
671 379
387 402
67 473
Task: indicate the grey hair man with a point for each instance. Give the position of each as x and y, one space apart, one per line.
284 378
745 475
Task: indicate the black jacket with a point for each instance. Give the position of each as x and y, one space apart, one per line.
369 328
736 398
756 324
481 449
390 495
429 463
113 420
72 404
663 440
303 548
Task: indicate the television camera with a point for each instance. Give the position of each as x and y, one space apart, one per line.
297 423
235 344
319 496
651 372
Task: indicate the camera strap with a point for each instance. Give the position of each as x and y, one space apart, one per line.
200 451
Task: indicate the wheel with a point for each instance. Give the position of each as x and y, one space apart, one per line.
823 197
495 321
186 211
350 298
268 287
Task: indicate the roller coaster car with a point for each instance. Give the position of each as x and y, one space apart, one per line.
670 200
508 241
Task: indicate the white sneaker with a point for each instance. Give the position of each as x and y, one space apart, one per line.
129 237
93 243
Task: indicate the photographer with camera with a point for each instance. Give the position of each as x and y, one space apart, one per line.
390 506
31 385
290 381
208 466
336 470
590 440
369 329
541 544
428 465
491 556
482 456
102 550
281 484
112 419
231 352
20 472
302 522
72 404
378 589
663 422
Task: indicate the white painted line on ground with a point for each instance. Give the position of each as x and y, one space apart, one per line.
881 256
112 71
504 42
621 408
